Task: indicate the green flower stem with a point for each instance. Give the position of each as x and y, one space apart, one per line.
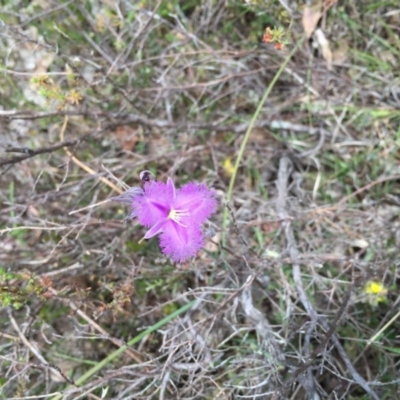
247 135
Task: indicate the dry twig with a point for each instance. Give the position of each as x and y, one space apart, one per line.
282 183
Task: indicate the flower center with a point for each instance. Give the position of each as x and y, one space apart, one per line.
176 216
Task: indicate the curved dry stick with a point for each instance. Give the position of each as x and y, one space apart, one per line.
29 153
79 163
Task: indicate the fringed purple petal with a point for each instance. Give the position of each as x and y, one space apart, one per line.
171 188
198 200
155 229
180 243
155 205
162 192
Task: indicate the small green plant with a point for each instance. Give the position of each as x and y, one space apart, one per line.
17 289
53 93
277 36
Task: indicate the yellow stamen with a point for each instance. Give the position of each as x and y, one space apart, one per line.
176 216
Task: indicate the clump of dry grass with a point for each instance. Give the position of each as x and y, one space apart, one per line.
277 307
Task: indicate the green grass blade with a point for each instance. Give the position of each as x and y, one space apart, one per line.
247 135
133 341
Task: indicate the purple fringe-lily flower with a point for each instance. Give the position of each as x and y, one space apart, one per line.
176 215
